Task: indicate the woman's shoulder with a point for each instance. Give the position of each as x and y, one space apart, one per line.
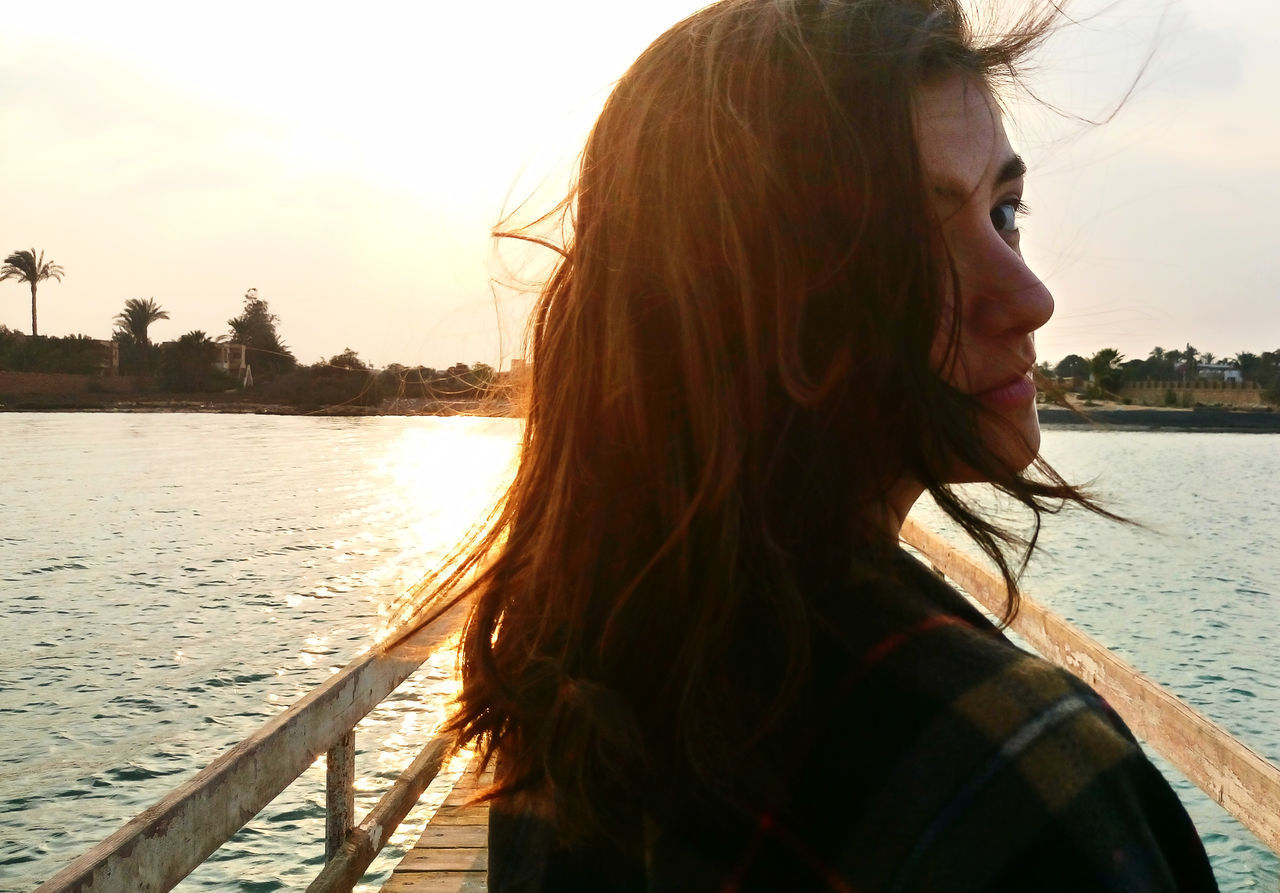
948 757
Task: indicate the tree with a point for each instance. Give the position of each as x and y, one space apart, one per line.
1247 363
482 375
75 354
255 328
25 266
1159 364
1072 366
1267 374
1105 368
1189 355
348 359
133 322
1133 370
187 364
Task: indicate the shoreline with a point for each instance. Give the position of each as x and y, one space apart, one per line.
1103 417
1203 419
238 405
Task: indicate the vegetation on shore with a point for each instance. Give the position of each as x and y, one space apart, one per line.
1107 373
194 365
190 365
26 266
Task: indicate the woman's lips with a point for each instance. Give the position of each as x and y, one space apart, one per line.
1010 395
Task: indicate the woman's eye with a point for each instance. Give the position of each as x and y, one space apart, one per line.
1004 216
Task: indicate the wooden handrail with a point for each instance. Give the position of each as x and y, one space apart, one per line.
358 850
166 842
159 847
1237 778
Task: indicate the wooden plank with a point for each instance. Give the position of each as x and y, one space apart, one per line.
472 815
449 857
1237 778
437 882
446 859
470 784
163 844
454 836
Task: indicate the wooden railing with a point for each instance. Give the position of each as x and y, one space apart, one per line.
1235 777
158 848
166 842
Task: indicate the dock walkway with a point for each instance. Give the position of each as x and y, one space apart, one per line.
162 845
452 855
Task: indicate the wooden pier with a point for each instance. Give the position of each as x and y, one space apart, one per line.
159 847
452 854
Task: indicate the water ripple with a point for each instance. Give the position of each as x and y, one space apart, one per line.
1189 599
191 578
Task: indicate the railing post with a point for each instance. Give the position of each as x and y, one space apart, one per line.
339 793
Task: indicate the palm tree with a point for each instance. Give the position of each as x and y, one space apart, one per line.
1247 363
25 266
187 364
1191 355
1105 367
138 315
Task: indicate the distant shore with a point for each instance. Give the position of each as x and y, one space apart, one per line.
1117 417
245 404
1102 417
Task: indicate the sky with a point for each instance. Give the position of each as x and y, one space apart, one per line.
351 164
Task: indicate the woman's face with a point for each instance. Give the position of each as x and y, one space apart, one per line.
976 181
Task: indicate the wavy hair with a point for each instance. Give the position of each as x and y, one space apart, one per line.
730 367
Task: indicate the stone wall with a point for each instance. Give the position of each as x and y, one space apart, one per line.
1205 391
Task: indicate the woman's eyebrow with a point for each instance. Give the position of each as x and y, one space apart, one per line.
1012 169
952 193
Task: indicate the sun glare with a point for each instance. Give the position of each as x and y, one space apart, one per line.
443 477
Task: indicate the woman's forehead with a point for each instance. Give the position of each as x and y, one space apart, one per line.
961 137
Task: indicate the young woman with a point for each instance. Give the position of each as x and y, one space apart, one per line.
792 300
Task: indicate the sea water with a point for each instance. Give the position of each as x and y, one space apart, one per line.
168 582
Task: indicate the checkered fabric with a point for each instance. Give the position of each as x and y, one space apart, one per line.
941 757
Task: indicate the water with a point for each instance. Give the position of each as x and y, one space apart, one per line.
168 582
1191 597
1194 599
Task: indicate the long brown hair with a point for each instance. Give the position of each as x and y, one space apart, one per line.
730 366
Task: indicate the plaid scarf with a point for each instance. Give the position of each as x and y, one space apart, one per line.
941 758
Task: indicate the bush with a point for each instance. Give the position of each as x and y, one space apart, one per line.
327 386
72 354
1170 397
187 366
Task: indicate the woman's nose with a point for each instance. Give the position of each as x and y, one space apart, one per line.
1009 298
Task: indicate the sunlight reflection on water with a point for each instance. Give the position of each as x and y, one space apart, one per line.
179 579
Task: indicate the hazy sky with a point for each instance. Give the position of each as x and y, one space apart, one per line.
349 165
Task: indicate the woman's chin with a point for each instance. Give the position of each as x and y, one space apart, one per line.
1015 437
